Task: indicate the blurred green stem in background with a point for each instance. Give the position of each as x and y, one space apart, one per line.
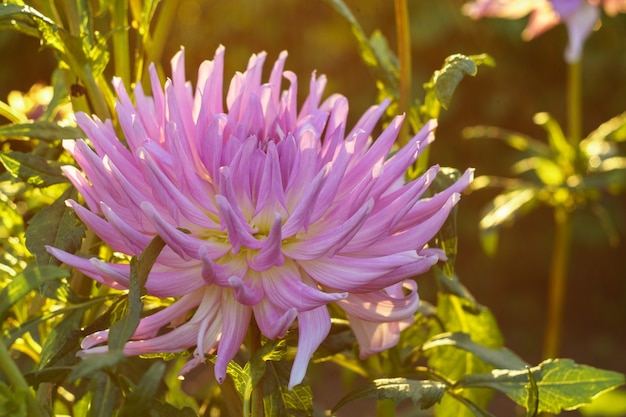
15 377
121 45
404 55
562 240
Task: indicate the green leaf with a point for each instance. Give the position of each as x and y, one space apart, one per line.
140 400
55 225
105 396
278 400
122 330
500 358
452 285
273 350
46 131
32 169
609 404
423 393
613 129
549 172
374 51
454 363
94 362
563 151
30 279
446 236
562 384
532 401
503 209
63 341
12 404
518 141
161 409
447 79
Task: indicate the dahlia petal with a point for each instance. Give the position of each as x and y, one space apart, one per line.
354 274
237 229
172 194
210 80
376 337
270 254
85 266
272 321
380 306
284 287
327 243
185 245
82 185
313 327
416 236
236 320
244 293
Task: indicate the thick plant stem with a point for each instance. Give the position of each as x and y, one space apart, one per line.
14 375
557 282
256 400
404 56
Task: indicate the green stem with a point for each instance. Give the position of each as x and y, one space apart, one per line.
162 28
404 55
557 282
121 48
574 103
15 377
256 400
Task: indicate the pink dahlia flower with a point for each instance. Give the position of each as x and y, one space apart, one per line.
579 16
267 211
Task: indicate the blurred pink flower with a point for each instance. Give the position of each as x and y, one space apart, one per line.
266 211
579 16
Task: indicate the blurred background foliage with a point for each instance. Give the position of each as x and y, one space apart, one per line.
529 77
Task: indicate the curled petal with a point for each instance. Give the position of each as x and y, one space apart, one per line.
313 327
236 320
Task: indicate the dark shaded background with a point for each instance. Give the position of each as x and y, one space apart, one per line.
529 77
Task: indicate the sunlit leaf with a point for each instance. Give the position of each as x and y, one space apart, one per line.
518 141
562 384
55 225
613 129
32 169
609 404
46 131
446 236
452 285
455 67
423 393
532 401
278 400
30 279
374 51
499 358
505 208
454 363
562 149
549 172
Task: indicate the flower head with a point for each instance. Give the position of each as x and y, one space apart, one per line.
579 16
267 210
